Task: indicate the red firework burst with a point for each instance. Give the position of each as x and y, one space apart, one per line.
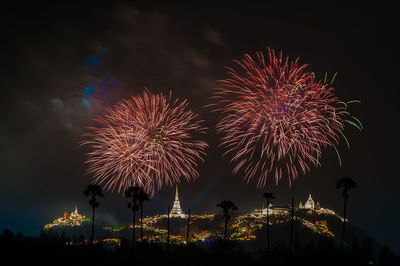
277 117
145 141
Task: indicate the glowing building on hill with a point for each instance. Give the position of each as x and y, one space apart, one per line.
273 209
176 209
310 203
73 219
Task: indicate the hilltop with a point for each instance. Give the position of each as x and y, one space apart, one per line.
312 223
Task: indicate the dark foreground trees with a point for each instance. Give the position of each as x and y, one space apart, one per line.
52 250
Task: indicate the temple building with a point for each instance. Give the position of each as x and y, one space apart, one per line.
309 204
73 219
176 209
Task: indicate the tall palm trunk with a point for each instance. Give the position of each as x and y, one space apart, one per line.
92 238
226 226
346 183
169 209
269 197
226 205
291 228
141 222
268 243
92 191
344 221
133 230
188 228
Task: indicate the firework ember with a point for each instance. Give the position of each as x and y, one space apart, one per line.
277 118
147 141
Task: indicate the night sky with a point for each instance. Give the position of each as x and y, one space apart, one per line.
63 63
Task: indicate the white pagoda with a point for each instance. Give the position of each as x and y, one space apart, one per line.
310 203
176 209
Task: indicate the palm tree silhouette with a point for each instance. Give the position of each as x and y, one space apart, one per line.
142 196
93 191
226 205
168 219
291 226
346 183
188 228
269 197
133 192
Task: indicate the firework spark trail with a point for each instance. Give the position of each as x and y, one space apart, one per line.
145 141
277 118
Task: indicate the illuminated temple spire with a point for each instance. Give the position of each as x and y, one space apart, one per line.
310 203
176 209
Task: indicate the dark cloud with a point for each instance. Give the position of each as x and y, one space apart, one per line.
213 36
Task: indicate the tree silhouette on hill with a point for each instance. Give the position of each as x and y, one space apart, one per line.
269 197
142 197
133 193
345 183
226 205
93 191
